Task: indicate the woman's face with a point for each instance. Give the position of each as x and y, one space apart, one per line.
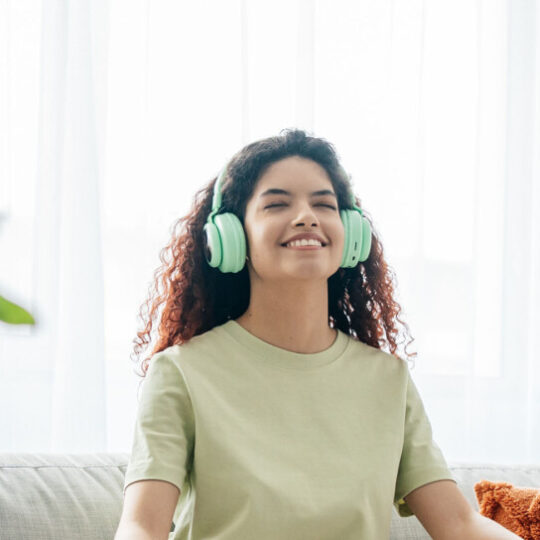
273 217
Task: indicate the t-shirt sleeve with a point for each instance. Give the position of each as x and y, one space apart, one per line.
163 435
421 461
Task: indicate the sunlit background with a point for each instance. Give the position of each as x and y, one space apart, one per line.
113 114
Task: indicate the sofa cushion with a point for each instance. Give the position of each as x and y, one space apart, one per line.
68 496
53 496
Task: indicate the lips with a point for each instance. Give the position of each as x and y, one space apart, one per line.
305 236
304 248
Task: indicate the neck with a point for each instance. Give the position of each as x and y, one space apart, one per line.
291 316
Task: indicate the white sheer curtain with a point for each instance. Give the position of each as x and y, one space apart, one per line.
52 389
113 114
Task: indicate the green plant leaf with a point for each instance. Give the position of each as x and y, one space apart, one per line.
14 314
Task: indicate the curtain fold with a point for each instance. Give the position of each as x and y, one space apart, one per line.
55 374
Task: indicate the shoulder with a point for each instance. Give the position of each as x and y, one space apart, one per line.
377 359
198 347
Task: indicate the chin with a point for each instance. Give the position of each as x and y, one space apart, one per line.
306 273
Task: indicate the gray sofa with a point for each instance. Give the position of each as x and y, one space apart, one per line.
79 496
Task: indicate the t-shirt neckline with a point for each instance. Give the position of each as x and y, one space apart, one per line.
282 357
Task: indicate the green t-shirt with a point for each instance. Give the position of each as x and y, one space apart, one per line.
268 444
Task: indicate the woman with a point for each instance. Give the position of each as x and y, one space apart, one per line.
269 408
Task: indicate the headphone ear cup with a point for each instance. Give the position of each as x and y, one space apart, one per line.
357 242
212 248
366 240
232 242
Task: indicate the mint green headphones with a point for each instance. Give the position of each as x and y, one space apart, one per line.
226 241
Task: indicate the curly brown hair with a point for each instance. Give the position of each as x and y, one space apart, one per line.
189 297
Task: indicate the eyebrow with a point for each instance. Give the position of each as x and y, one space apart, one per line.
277 191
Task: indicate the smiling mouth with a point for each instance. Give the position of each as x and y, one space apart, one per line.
306 245
303 248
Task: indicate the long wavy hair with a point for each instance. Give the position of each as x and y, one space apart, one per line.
188 297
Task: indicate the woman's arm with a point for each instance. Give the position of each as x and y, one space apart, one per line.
483 528
446 514
132 531
148 510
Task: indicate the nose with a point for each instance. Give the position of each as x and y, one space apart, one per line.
306 215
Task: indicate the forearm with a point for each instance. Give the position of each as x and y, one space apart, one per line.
132 531
480 527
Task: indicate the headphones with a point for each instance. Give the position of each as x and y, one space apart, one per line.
225 238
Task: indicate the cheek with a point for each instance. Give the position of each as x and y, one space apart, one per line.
259 240
262 234
339 234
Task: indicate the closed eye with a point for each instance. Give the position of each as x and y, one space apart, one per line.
283 204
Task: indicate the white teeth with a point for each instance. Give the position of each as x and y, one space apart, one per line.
304 242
